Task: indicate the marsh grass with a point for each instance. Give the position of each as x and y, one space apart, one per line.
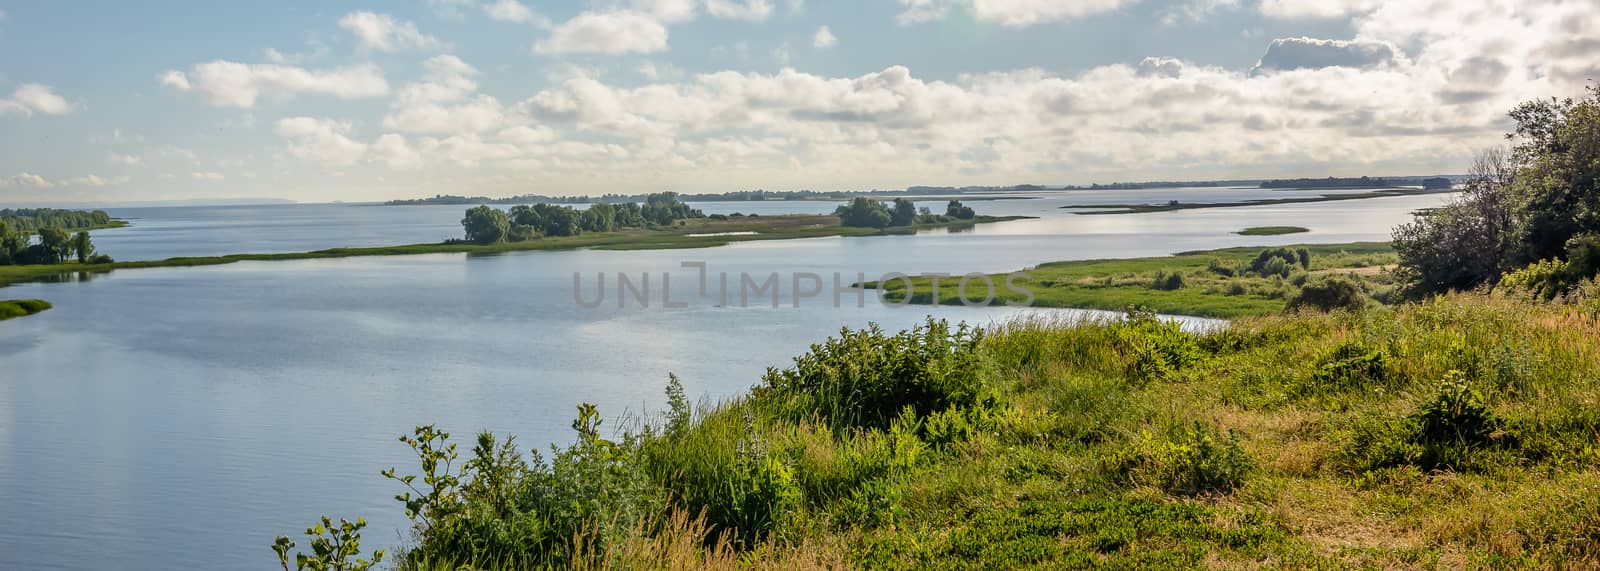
21 307
1226 283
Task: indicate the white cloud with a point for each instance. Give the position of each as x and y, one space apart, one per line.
207 175
125 160
1315 9
513 11
33 98
751 10
393 151
1195 11
322 140
668 11
445 102
1012 13
614 32
225 83
383 32
31 180
1311 53
25 179
824 39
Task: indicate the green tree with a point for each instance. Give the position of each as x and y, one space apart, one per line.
905 213
485 225
956 210
1518 208
863 212
83 247
57 244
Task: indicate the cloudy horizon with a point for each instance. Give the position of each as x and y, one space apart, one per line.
118 102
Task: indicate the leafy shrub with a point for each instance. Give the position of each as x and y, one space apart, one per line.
865 378
1217 266
1235 288
1165 281
1333 294
1160 348
1544 279
1186 460
724 469
1457 413
1275 262
1350 365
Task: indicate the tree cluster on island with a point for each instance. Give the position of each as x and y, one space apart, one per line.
30 220
863 212
55 246
488 225
1430 183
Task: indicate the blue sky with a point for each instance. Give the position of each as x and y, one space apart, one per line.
321 101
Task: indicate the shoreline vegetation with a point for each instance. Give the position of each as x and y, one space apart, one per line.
1102 209
728 230
1225 283
1272 230
13 308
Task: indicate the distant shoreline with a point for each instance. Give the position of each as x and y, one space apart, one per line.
1104 209
696 233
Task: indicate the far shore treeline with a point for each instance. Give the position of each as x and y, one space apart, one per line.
57 243
488 225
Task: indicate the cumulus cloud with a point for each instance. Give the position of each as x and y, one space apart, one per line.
824 39
394 152
125 160
1315 9
1012 13
383 32
225 83
669 11
33 98
1160 67
613 32
513 11
1311 53
446 101
322 140
31 180
206 175
751 10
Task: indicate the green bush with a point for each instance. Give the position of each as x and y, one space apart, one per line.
1159 348
1351 365
1332 294
1165 281
1186 460
865 378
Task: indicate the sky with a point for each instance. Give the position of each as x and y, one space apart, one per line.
318 101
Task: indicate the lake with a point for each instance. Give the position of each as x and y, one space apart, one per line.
182 417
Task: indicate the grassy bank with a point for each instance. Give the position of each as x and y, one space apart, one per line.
1212 283
690 234
12 308
1455 433
1271 230
1176 205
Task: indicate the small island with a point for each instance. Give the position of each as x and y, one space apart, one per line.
1271 230
12 308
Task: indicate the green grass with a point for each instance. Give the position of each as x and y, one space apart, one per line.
1455 433
21 307
1271 230
782 227
1175 205
1120 283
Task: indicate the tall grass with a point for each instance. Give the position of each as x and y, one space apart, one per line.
1458 432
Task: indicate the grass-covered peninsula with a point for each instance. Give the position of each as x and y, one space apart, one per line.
1454 433
1226 283
12 308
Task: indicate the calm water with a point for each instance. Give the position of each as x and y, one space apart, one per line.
179 418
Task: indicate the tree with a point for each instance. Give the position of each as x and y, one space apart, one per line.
863 212
1519 207
600 217
958 211
83 247
485 225
57 244
905 213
